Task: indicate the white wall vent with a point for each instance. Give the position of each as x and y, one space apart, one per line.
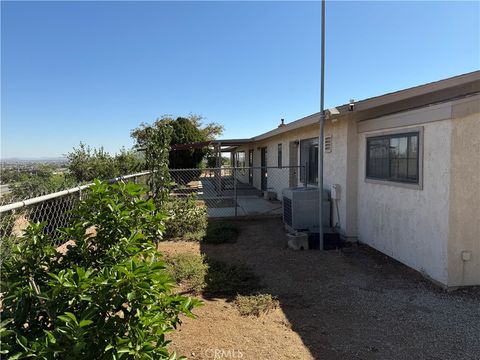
327 144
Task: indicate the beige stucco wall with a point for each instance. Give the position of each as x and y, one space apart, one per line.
428 227
335 164
410 225
464 224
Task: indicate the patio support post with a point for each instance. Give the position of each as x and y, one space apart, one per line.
322 125
235 197
218 170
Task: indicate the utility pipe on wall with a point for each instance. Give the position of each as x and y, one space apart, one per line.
322 125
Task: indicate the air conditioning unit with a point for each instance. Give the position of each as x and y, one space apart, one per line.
300 208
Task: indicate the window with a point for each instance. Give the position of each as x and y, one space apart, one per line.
309 161
240 159
279 155
394 157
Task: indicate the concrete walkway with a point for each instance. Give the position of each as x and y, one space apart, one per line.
247 206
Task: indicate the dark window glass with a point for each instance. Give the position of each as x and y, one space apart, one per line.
393 157
279 155
309 160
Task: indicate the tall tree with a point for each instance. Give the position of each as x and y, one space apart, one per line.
185 130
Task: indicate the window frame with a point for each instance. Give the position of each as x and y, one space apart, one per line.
313 143
418 185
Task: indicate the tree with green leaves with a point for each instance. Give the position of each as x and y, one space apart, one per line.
185 130
86 163
44 181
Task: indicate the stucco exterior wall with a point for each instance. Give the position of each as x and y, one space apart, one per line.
335 164
464 225
433 227
410 225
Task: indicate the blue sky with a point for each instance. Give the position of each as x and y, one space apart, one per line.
92 71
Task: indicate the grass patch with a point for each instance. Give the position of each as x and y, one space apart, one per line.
230 280
255 305
188 270
193 235
221 232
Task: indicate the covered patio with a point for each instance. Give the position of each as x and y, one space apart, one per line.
224 195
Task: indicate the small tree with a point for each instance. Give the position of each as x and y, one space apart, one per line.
107 297
155 142
129 161
44 181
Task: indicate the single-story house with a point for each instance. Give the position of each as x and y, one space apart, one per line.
408 167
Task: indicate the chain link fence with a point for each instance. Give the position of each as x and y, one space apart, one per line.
225 192
16 212
232 192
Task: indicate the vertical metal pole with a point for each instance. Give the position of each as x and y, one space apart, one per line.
305 178
235 189
322 124
218 170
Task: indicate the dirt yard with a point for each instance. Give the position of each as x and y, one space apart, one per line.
350 304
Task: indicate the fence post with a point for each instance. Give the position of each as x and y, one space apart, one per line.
305 178
235 189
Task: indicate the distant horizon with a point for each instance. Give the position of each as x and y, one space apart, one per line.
33 158
92 71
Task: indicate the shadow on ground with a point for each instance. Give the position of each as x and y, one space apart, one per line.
355 303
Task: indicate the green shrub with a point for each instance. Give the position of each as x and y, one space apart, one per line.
230 280
187 219
255 305
189 270
220 232
108 297
86 164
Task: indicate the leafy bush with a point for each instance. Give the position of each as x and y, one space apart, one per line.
44 181
86 163
107 297
255 305
230 280
187 218
221 232
189 270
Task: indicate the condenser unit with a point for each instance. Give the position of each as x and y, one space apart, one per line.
300 208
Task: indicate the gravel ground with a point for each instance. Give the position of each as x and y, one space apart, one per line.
350 304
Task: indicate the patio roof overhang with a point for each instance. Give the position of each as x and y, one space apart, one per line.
215 143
